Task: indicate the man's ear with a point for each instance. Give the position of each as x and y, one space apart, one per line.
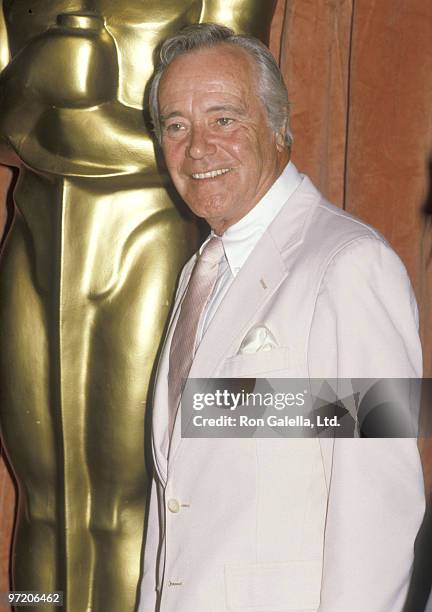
280 141
280 138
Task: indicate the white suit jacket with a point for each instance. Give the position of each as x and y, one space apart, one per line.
265 525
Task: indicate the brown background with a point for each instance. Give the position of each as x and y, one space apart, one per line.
359 76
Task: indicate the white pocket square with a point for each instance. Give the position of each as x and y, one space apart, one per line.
258 339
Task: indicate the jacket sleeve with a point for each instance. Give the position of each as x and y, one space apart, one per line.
365 326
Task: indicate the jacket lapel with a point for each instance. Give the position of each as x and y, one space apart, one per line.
255 284
257 281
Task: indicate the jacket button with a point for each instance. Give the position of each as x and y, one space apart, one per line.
173 505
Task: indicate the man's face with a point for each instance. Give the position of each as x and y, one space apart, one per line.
219 149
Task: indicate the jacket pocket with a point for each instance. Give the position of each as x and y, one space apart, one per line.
256 364
273 587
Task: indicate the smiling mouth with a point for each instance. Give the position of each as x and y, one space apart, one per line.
211 174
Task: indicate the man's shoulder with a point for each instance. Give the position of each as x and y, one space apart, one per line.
337 223
342 225
325 233
329 229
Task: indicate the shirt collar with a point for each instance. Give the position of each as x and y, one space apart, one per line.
240 239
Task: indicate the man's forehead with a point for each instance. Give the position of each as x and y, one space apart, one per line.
219 55
223 73
208 99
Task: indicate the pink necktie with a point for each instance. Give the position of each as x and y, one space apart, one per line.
183 343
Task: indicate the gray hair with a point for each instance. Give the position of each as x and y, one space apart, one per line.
271 87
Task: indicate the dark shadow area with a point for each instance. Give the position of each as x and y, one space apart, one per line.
10 206
12 477
427 205
421 581
426 209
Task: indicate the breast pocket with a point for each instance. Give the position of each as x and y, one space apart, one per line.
293 586
262 364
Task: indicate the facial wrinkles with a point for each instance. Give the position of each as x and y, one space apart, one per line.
202 84
230 168
215 159
196 107
220 157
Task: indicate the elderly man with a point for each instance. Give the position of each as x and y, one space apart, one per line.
262 524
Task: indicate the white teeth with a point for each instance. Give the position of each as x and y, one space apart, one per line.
211 174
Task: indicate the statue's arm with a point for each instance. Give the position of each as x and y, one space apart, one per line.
243 16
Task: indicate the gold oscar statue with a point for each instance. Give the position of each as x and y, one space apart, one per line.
86 280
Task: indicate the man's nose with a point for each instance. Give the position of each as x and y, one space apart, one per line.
200 143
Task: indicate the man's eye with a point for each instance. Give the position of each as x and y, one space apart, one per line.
174 127
223 121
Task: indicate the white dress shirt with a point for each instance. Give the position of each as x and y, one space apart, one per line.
240 239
